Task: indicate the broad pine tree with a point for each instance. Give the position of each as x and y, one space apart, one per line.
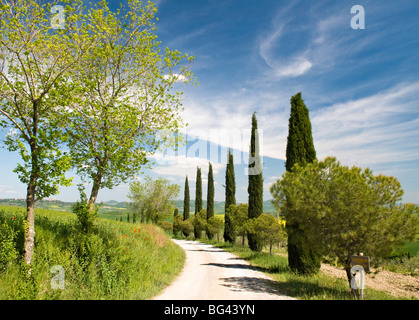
210 197
186 201
300 149
230 197
255 188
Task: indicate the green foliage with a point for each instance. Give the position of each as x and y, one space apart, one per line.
123 106
8 250
210 193
198 191
177 220
266 229
343 211
237 216
214 227
230 186
230 198
300 149
255 188
85 216
186 227
153 200
186 201
114 261
166 226
199 222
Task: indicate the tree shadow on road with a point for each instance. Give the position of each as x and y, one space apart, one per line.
252 284
232 266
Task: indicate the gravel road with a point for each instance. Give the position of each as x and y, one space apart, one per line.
211 273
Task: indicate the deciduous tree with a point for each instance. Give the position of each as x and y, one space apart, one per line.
35 61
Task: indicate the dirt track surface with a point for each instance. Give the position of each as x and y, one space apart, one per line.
211 273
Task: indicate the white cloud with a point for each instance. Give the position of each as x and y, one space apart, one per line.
380 128
182 166
295 68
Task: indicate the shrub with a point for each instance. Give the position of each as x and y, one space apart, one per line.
8 252
165 225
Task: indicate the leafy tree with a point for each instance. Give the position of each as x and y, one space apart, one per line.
238 215
210 197
214 226
344 211
300 149
166 226
123 106
186 227
153 200
35 61
267 230
186 201
255 188
199 222
230 196
176 222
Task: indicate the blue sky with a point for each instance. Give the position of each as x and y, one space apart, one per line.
361 87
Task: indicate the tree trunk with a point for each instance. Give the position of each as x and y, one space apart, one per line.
31 190
95 190
30 217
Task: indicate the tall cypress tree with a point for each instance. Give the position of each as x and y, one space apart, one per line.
198 191
186 201
230 197
210 193
198 201
210 197
300 149
255 188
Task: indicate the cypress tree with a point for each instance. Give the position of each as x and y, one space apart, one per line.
255 187
210 197
230 197
186 201
198 191
300 149
198 201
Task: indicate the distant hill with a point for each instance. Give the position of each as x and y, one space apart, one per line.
113 205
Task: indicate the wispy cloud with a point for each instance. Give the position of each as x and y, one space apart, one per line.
376 129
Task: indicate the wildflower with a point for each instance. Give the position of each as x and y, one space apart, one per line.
14 218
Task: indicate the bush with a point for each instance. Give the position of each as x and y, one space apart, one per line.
86 218
266 230
186 227
8 252
166 226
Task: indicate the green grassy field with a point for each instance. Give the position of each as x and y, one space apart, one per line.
116 261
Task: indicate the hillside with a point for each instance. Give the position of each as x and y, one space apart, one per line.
118 207
116 260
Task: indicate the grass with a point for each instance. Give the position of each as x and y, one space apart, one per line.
315 287
116 261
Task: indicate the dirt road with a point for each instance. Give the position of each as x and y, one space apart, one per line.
211 273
